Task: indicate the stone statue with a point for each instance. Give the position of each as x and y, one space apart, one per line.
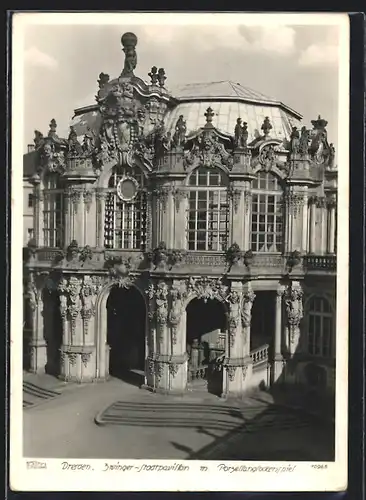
304 141
180 131
295 141
331 157
238 133
129 42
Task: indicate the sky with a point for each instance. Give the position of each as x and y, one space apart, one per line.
295 64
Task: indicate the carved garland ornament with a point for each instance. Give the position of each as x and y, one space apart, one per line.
207 288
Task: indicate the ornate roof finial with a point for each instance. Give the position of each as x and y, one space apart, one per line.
154 75
266 127
209 116
53 126
319 124
161 76
129 42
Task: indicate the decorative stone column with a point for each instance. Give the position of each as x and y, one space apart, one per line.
235 195
294 312
165 213
89 221
304 232
247 216
77 204
38 346
278 357
321 204
238 366
294 220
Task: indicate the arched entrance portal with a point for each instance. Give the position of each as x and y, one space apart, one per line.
126 326
206 344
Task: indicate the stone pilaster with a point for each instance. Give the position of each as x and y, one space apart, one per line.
38 197
181 196
38 346
77 308
157 362
100 197
278 357
332 203
238 366
312 225
295 200
165 213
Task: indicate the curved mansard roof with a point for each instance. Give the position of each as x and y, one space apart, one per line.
228 100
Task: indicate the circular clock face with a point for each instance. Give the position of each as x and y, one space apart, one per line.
127 189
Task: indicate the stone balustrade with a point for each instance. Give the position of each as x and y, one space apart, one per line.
260 355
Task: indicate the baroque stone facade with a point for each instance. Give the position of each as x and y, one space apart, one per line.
143 203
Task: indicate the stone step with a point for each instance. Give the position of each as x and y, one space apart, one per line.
34 394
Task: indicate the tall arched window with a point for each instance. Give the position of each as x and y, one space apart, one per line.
267 214
53 211
208 212
125 210
320 327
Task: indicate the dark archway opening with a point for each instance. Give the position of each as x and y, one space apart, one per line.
263 320
52 324
126 323
206 343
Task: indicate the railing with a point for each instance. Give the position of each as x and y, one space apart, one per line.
321 262
201 358
260 355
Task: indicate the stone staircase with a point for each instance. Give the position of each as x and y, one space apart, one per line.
34 394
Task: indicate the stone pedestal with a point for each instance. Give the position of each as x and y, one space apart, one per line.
78 363
38 356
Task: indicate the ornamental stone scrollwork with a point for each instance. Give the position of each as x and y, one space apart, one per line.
233 300
70 300
331 201
207 288
88 199
158 304
179 196
51 150
294 201
231 371
162 194
267 157
294 310
75 196
247 200
234 195
244 370
72 358
178 294
173 369
88 300
206 149
85 358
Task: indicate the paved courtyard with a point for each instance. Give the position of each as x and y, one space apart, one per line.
118 420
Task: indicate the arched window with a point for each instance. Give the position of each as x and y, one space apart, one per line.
267 214
320 327
208 212
125 210
53 211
